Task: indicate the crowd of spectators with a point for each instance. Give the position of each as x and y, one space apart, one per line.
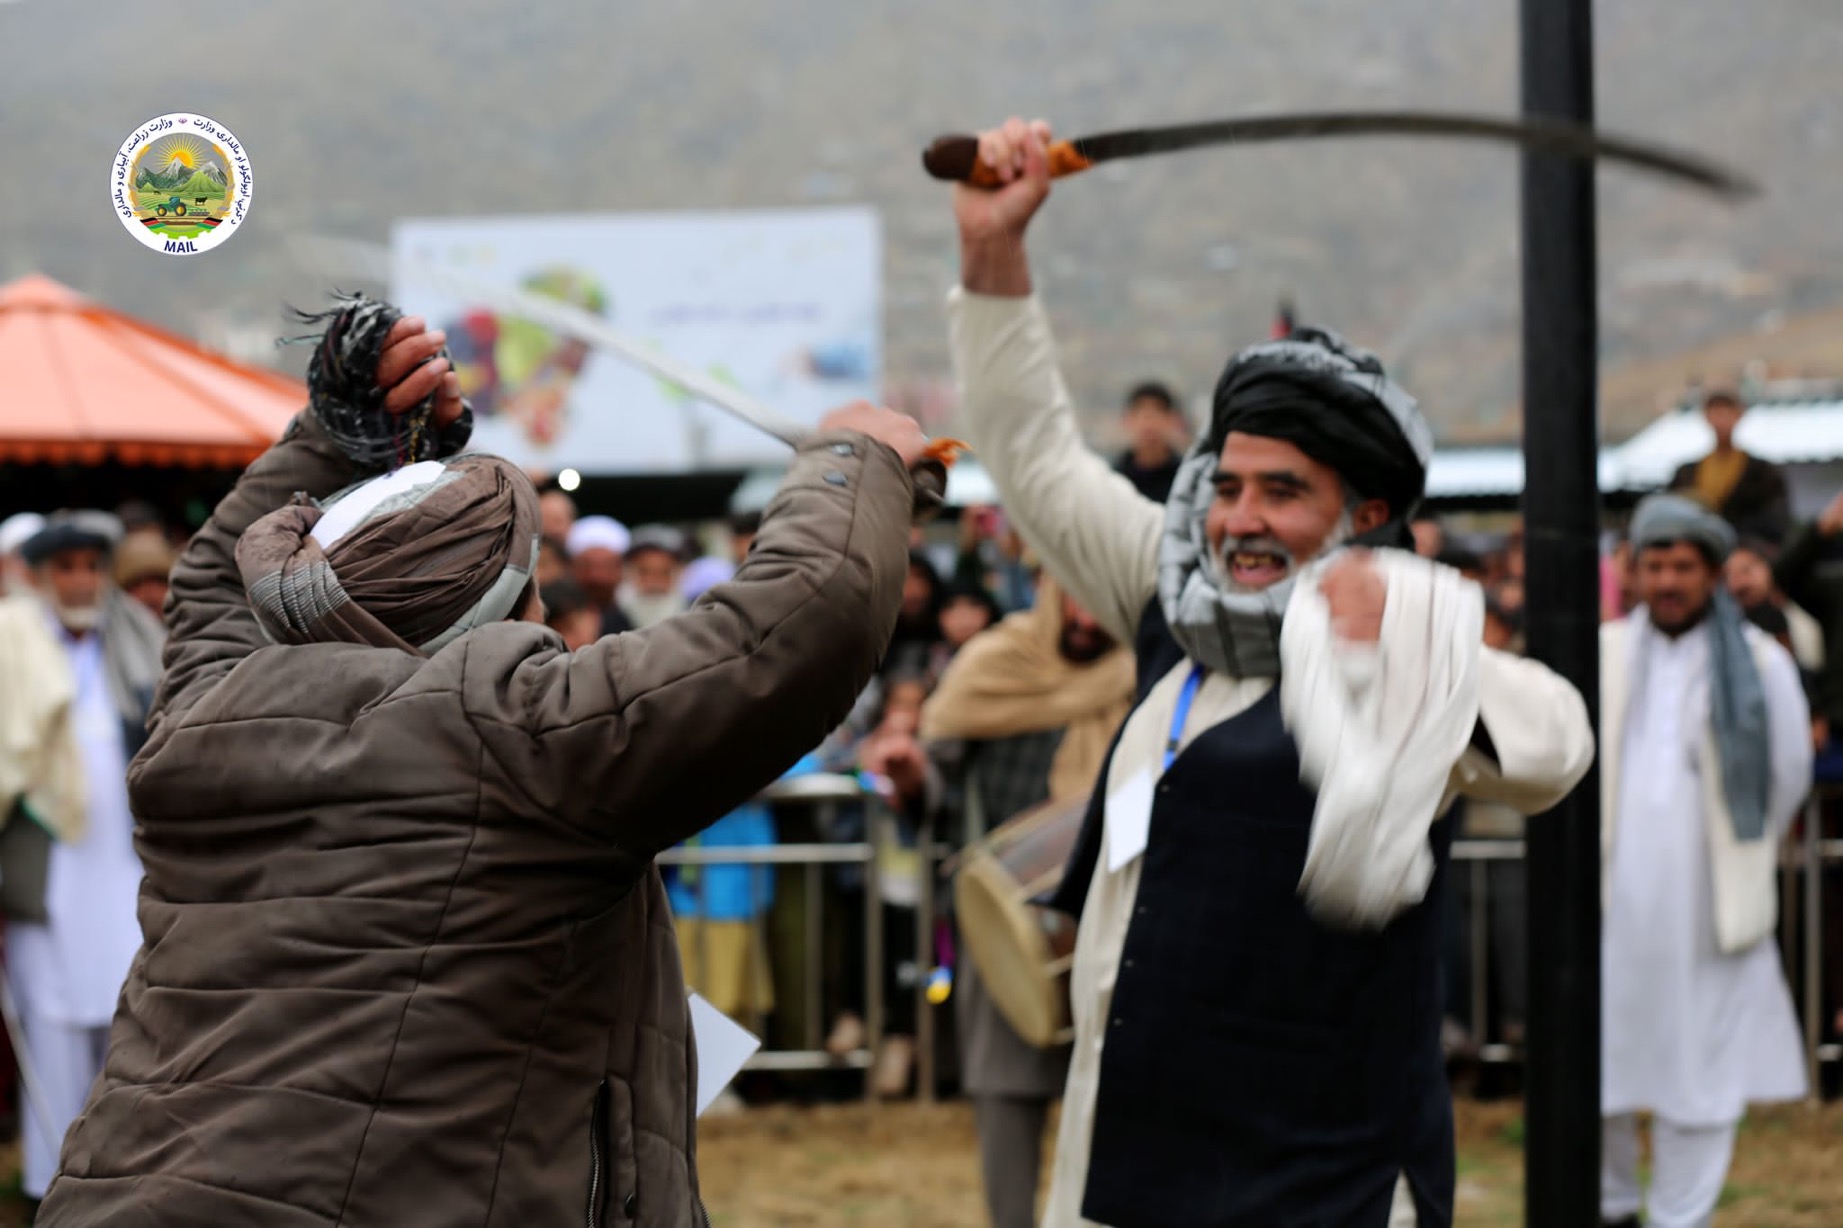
966 575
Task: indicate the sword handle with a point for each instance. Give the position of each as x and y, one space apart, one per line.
930 489
956 160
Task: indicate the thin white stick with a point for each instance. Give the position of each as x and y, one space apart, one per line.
28 1073
358 259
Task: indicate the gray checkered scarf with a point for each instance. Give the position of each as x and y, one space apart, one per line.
342 387
1331 400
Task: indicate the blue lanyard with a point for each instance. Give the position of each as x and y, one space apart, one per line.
1182 715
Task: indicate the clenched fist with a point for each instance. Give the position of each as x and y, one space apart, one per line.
886 426
1357 594
1019 153
993 220
409 370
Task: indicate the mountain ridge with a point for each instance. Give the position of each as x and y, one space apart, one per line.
1156 269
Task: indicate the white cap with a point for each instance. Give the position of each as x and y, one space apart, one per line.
597 533
16 531
355 505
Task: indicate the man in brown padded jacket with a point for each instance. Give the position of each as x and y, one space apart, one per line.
406 957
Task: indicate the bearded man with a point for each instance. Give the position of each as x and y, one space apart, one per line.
1708 757
407 959
79 663
654 562
1023 715
1256 987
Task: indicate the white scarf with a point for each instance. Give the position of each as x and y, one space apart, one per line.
1379 729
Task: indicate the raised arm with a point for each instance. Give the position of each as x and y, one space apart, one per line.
1092 529
210 625
652 735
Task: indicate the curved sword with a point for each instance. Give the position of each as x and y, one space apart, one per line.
956 158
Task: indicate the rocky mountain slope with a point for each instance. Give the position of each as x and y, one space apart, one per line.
359 111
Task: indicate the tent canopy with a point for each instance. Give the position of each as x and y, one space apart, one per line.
84 384
1784 432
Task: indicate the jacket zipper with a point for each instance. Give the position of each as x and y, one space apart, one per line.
596 1116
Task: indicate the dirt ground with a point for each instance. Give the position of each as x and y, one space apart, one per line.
908 1166
913 1166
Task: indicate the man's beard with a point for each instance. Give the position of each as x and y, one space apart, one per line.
648 609
78 619
1264 543
1679 627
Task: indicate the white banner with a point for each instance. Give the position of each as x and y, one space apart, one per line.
785 304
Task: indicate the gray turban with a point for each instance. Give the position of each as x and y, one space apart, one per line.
1663 520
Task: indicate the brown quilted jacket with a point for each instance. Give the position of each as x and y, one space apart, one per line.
406 959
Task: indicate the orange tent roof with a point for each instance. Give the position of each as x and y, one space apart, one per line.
80 383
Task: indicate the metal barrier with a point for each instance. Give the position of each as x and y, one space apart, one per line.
1802 862
824 793
1801 903
1815 852
1477 855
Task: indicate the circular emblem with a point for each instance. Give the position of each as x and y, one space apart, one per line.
181 184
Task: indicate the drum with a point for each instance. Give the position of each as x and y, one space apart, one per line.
1023 951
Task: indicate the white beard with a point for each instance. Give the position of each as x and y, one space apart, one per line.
1222 574
645 611
78 619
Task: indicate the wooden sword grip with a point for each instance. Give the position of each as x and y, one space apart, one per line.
956 160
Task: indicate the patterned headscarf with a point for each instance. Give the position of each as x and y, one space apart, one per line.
1333 402
343 389
412 560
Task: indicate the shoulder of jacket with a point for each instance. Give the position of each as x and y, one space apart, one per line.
478 662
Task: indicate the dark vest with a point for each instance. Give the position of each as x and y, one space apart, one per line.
1261 1070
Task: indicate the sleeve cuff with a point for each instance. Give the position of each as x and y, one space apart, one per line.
973 306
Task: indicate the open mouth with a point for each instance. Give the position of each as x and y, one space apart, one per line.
1256 568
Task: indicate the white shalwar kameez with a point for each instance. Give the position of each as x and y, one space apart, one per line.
1690 1034
68 973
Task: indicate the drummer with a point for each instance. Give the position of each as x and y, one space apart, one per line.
1256 980
1023 715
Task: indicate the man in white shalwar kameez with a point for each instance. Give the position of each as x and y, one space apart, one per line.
1707 757
84 659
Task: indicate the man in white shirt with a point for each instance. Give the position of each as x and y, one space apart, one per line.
72 881
1707 757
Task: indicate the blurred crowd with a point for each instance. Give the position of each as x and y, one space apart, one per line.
101 582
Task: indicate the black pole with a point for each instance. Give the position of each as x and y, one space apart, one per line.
1561 516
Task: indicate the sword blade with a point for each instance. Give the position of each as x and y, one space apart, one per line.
352 258
1548 136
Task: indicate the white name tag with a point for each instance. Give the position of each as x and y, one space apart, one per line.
1129 819
723 1047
